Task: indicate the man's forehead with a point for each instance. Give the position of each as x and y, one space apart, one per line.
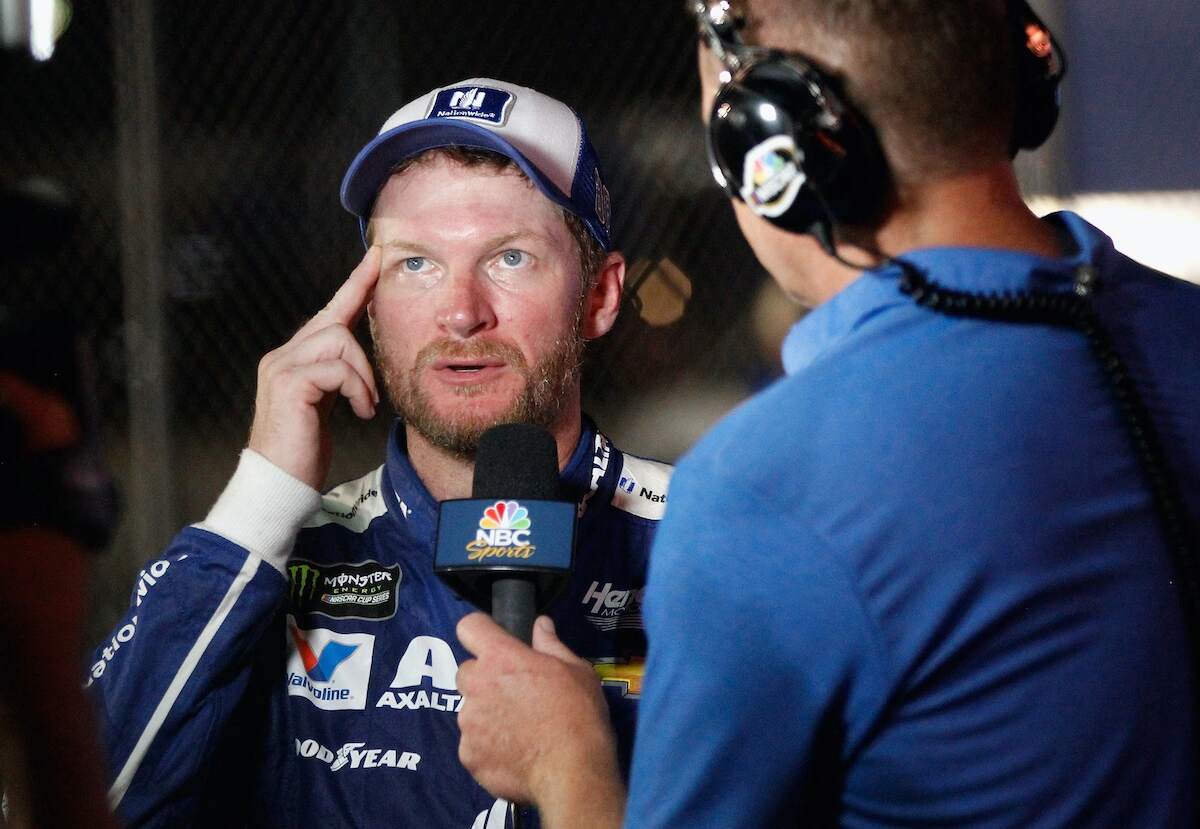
434 165
464 206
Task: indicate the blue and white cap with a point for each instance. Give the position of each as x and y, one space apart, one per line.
544 136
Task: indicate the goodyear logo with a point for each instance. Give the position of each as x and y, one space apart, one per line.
504 532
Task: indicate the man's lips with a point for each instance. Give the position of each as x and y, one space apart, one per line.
468 371
466 363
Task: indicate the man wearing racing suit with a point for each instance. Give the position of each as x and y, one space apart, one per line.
291 660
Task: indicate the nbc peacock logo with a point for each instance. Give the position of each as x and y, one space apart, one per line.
504 532
772 175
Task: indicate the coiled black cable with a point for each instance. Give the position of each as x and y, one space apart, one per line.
1074 310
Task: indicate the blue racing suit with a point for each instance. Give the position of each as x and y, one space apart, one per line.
251 683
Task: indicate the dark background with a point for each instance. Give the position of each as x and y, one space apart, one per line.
204 144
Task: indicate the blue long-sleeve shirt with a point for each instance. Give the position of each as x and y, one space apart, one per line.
920 581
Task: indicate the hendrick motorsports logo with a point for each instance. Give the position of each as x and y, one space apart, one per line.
503 533
343 591
357 757
609 608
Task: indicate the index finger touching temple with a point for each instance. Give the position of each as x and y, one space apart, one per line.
351 299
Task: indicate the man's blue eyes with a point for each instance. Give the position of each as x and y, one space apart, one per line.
510 258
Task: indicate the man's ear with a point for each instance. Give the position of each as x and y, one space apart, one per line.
604 299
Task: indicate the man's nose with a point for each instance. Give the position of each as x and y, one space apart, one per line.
463 307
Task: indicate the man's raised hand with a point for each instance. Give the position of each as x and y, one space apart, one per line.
299 382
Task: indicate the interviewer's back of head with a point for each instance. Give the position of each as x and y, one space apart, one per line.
936 78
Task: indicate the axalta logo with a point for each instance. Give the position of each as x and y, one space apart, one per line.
354 756
330 669
503 533
426 678
609 608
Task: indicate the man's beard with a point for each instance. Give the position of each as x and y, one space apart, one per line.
549 385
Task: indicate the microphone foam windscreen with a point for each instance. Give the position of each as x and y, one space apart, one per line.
516 460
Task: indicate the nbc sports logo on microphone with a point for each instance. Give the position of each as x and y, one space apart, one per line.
504 531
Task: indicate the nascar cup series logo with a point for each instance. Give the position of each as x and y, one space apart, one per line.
771 176
342 590
503 533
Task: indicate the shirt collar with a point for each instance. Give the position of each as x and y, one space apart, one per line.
977 270
410 496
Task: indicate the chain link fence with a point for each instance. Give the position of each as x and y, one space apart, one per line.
203 145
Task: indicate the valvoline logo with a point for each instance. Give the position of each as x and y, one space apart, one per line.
321 668
329 668
504 531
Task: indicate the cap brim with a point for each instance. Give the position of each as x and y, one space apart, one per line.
371 167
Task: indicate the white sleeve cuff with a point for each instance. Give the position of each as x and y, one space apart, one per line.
262 509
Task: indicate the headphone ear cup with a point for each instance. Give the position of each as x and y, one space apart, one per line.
1041 66
781 139
753 150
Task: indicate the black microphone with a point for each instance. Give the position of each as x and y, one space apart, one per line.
508 549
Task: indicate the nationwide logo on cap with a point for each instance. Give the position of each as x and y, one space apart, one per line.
503 532
481 103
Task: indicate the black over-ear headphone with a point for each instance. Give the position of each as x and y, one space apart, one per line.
783 138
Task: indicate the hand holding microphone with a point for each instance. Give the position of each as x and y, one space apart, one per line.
535 727
508 548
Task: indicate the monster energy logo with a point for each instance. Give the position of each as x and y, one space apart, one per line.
366 590
303 578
